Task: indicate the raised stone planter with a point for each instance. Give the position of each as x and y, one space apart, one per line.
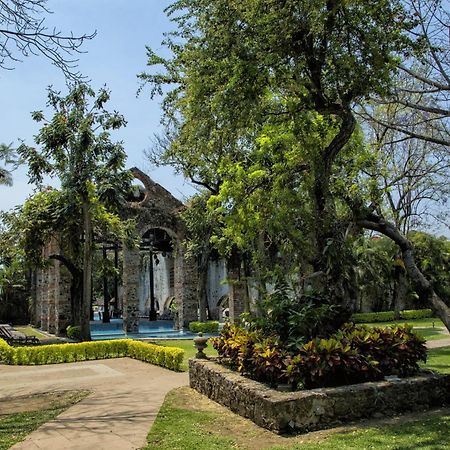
315 409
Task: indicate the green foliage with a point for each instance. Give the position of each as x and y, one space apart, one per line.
388 316
294 319
168 357
73 332
8 157
354 354
416 314
254 94
433 257
210 327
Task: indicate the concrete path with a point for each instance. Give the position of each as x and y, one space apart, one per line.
126 397
438 343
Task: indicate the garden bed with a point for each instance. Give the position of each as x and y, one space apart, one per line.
315 409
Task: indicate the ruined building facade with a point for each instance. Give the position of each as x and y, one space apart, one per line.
174 275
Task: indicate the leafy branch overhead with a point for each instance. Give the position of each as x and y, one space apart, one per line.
24 32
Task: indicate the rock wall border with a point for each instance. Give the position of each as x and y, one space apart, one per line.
315 409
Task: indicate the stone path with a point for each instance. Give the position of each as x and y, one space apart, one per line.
126 397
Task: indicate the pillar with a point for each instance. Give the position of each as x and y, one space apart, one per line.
186 275
63 316
131 263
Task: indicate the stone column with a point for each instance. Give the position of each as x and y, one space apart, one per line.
131 263
38 298
236 296
44 300
63 301
186 275
53 281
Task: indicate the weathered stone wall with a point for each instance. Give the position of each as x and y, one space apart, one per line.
52 303
317 408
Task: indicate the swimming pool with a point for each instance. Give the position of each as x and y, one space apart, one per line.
159 329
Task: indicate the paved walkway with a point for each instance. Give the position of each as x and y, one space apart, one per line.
126 397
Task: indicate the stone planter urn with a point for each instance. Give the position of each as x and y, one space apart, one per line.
200 344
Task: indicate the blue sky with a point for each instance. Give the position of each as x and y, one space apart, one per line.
114 57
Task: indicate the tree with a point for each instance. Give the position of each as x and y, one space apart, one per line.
8 157
418 100
238 66
23 31
412 175
76 147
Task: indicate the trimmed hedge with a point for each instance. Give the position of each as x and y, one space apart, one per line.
388 316
204 327
168 357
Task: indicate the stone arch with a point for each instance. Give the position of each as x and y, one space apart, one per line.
158 210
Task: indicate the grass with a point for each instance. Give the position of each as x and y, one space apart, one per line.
30 331
15 427
188 421
439 360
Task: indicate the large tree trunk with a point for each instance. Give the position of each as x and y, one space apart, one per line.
87 272
202 285
373 222
329 236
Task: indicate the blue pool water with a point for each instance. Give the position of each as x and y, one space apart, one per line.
160 329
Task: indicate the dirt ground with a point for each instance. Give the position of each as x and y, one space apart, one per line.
249 435
35 402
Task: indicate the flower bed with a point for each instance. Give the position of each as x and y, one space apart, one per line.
354 354
168 357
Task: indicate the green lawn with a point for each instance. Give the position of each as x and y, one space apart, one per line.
187 421
439 360
15 427
30 331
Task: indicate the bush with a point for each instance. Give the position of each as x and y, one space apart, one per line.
169 357
330 362
352 355
416 314
389 316
73 332
383 316
251 355
209 327
358 354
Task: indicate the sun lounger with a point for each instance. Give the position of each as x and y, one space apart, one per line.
12 336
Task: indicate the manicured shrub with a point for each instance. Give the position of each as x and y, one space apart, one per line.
416 314
73 332
6 352
382 316
209 327
169 357
389 316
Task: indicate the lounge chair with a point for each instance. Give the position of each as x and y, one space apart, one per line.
12 336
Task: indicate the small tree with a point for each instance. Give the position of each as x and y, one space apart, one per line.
76 147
